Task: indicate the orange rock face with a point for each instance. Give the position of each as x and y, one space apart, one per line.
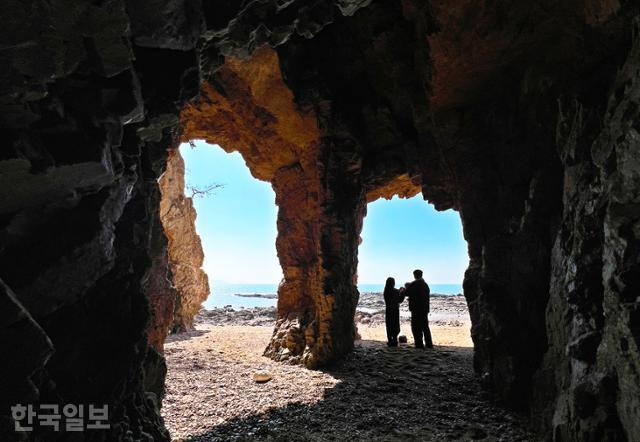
401 186
249 108
184 247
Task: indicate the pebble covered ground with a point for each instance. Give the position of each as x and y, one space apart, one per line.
376 394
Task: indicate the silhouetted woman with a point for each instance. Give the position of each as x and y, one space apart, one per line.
392 299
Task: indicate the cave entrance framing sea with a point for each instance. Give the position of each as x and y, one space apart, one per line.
323 181
320 207
186 253
226 355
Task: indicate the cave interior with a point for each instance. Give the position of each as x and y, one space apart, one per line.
524 117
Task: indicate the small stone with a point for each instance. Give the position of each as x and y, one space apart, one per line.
262 376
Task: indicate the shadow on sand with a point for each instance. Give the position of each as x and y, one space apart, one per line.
185 336
399 394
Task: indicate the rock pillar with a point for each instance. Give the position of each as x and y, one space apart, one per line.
319 223
184 247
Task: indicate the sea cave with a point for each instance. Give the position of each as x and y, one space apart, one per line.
523 117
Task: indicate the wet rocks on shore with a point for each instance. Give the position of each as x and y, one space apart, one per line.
227 315
449 310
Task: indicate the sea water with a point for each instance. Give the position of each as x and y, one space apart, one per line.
225 294
441 289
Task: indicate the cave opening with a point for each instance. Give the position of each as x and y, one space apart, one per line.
221 226
403 234
236 224
322 185
210 386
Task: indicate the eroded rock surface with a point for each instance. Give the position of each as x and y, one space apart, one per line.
184 248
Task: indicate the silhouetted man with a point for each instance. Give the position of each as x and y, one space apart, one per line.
418 294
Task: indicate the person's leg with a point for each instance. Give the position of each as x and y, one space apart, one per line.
416 330
428 342
392 332
389 333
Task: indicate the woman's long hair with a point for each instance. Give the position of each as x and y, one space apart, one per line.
389 285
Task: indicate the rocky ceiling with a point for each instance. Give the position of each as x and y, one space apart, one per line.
523 117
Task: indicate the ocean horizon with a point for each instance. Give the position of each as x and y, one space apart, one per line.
223 294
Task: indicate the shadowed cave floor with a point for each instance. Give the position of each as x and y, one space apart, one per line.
377 393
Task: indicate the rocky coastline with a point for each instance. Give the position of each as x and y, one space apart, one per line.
448 310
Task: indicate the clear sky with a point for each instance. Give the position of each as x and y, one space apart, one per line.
400 235
237 225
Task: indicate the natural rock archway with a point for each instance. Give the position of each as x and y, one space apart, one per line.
523 117
320 193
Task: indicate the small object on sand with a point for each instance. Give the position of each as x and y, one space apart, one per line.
261 377
402 339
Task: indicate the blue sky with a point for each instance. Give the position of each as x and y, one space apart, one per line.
237 225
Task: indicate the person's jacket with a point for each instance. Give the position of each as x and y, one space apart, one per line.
418 294
392 299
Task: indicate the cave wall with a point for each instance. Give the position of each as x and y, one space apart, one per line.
87 119
593 309
522 117
525 154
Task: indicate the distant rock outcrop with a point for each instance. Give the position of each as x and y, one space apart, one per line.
257 295
185 249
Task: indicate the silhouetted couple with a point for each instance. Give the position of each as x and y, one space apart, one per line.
418 293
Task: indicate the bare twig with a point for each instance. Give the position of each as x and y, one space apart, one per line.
202 192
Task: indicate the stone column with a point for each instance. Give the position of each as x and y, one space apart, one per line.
319 223
185 252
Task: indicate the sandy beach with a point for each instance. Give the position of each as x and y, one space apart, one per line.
376 393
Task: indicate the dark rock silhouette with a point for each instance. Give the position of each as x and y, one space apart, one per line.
522 116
